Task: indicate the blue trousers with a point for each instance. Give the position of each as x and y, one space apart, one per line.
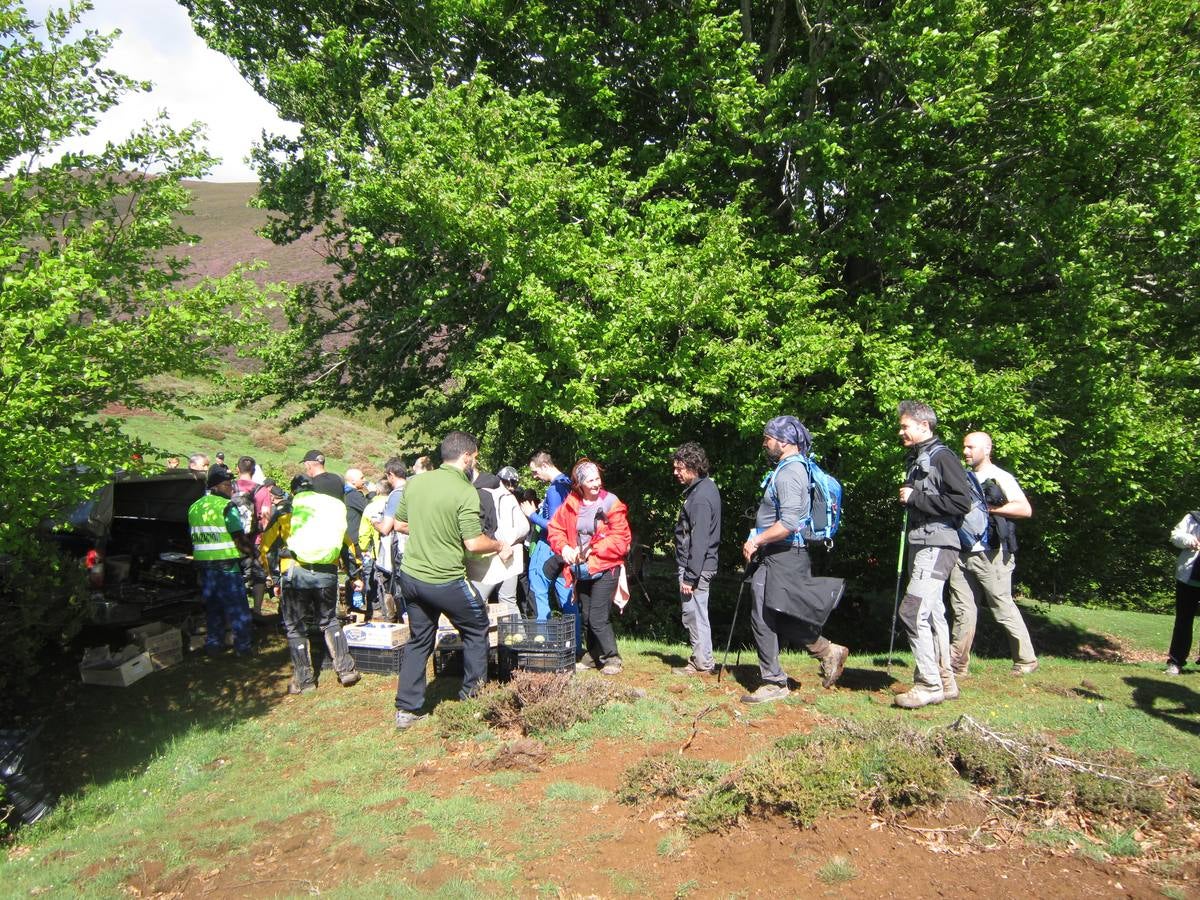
540 585
224 595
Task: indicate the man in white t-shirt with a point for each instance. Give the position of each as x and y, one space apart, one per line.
987 577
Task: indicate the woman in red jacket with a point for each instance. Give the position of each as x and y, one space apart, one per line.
590 531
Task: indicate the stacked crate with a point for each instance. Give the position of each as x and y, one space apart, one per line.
533 645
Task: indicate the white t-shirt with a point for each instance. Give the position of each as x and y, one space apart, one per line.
1008 484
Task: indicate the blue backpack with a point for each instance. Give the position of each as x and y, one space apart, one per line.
824 501
973 529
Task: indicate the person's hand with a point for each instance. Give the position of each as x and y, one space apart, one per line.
748 550
505 552
905 493
1195 543
528 508
570 555
686 589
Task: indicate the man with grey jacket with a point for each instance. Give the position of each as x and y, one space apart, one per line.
697 538
776 554
937 494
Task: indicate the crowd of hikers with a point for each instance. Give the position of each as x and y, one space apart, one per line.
429 542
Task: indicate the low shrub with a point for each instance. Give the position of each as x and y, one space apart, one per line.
209 431
265 437
669 776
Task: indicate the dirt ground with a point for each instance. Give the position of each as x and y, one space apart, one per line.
612 850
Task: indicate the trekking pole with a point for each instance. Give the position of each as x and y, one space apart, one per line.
733 624
896 604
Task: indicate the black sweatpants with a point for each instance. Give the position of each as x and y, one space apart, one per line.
464 609
594 597
1187 599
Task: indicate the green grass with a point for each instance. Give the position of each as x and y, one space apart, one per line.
838 870
194 765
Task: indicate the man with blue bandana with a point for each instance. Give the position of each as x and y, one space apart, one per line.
778 545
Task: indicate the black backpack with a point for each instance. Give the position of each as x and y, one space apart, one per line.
1002 531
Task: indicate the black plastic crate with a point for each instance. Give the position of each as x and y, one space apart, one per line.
449 661
511 660
554 637
378 660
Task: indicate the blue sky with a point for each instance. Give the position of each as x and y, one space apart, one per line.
191 82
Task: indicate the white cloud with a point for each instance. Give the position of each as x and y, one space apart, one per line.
191 82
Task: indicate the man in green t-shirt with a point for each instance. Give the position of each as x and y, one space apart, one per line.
440 514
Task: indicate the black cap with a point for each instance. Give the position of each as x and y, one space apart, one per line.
301 483
314 456
217 475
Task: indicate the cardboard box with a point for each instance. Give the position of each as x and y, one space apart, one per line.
384 635
101 666
161 641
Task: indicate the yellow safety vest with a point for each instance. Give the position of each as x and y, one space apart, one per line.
318 528
211 540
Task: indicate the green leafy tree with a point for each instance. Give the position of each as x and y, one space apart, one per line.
93 300
611 227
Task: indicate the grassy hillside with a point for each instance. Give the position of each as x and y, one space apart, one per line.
227 227
362 438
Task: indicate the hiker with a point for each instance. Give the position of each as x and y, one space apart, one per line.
697 538
558 487
987 576
421 465
937 494
779 566
1186 537
314 534
219 542
198 462
323 482
254 502
489 575
440 513
392 540
590 531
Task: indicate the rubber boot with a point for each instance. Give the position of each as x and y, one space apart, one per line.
303 680
343 662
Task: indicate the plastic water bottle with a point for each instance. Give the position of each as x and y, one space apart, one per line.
356 599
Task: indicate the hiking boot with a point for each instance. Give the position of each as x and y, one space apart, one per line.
301 687
349 679
920 695
691 669
1172 669
1023 668
406 719
833 663
949 687
612 667
585 664
765 693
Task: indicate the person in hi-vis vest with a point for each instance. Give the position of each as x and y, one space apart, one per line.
218 544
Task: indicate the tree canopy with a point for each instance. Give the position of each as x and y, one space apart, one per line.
612 227
92 302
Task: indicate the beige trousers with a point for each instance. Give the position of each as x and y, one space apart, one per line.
985 579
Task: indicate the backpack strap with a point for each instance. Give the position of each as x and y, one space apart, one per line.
796 537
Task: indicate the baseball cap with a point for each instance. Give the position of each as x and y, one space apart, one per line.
314 456
217 475
508 473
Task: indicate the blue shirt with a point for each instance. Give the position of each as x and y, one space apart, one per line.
556 493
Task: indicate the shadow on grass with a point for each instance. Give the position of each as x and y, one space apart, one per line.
95 734
864 623
1171 701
